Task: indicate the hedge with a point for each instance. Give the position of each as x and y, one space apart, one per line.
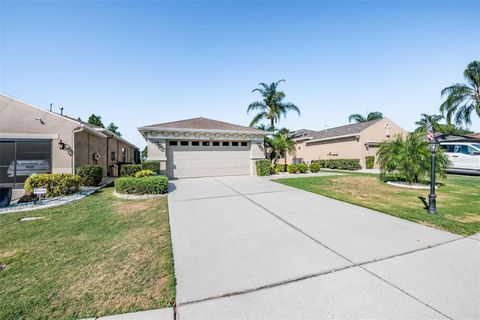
144 173
129 170
341 164
145 185
57 184
280 168
90 175
314 167
369 162
151 165
292 168
263 167
302 167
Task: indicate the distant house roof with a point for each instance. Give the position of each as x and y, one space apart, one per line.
443 137
336 132
474 135
202 124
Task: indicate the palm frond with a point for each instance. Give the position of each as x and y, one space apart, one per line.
257 119
356 117
257 105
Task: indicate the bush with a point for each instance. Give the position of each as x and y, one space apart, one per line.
292 168
57 184
340 164
129 170
369 162
280 168
302 168
90 175
144 173
263 167
151 165
314 167
145 185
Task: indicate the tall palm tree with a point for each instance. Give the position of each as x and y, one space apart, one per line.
282 144
360 118
463 99
271 107
427 120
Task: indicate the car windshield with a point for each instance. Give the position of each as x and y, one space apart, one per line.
476 145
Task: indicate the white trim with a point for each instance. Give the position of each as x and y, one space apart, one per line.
159 129
28 135
335 138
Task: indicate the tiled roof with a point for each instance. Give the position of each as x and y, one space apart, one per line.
203 124
348 129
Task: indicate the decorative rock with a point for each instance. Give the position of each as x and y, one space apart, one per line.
31 218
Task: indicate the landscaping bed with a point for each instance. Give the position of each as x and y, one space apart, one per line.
458 202
97 256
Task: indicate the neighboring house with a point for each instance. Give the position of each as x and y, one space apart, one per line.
353 141
34 140
474 135
443 137
201 147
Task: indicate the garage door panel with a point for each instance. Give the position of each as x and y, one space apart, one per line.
207 161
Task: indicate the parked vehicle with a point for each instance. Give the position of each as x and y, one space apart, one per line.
464 156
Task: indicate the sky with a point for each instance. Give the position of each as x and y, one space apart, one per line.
138 63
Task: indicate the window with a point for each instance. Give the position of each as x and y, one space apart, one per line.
20 159
225 143
234 143
184 143
244 143
172 143
462 149
195 143
215 143
113 155
447 147
205 143
124 155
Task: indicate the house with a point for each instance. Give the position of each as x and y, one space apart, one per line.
353 141
444 137
34 140
202 147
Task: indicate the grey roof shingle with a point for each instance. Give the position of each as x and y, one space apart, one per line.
203 124
348 129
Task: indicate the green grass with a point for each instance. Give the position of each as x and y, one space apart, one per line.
458 200
98 256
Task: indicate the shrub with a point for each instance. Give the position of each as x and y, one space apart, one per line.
145 185
409 158
302 168
151 165
280 168
369 162
144 173
57 184
314 167
340 164
292 168
90 175
129 170
263 167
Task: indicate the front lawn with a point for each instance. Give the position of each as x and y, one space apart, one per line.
94 257
458 202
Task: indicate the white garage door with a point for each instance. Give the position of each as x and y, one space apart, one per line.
207 159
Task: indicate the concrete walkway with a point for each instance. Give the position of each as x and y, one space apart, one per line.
249 248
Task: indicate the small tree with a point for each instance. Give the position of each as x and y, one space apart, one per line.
95 120
409 158
113 128
282 144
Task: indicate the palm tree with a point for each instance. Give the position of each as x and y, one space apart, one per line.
409 158
427 120
463 99
282 144
360 118
271 107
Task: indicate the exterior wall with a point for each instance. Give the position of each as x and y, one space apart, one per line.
383 130
18 120
257 152
86 145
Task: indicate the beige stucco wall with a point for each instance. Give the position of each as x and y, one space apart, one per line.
347 148
19 120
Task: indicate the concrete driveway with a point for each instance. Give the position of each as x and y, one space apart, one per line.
249 248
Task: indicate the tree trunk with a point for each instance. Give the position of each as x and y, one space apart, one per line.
285 156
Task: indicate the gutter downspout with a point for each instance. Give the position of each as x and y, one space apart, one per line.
73 147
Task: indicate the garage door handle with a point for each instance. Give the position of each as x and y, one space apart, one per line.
454 156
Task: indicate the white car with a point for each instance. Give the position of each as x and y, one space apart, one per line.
28 167
465 156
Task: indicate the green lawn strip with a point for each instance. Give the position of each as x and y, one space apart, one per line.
458 199
94 257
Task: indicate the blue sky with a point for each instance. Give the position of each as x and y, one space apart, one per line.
139 63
